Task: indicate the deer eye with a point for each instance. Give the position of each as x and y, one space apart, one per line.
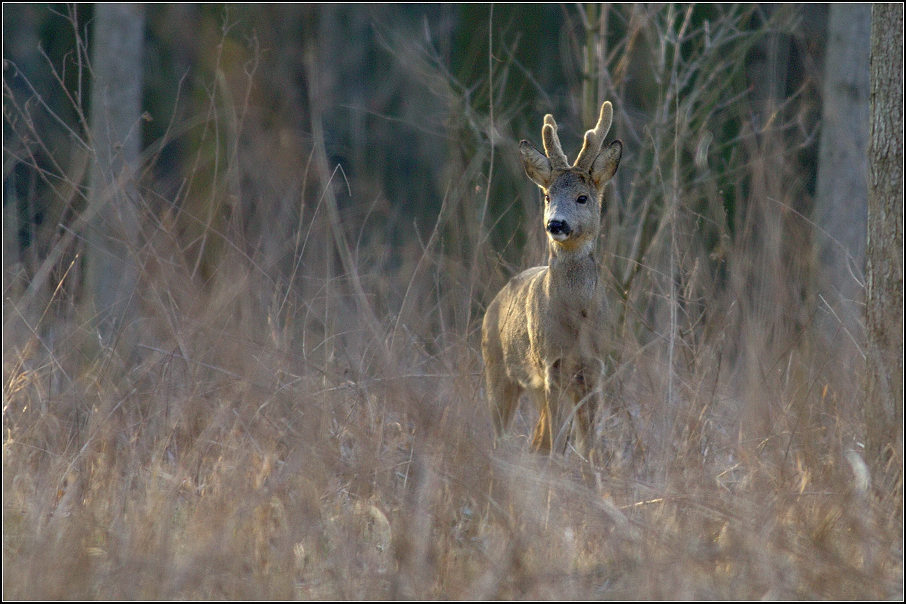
581 199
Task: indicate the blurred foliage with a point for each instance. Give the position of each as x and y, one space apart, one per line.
423 103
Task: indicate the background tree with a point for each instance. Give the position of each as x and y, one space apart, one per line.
841 190
884 308
115 125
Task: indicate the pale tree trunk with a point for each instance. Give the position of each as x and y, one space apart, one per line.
884 303
113 231
841 190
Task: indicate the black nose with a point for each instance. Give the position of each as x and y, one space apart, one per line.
558 227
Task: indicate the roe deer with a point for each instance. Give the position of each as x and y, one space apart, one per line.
544 331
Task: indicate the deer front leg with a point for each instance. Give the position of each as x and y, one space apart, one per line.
503 397
541 435
551 432
561 407
585 422
589 398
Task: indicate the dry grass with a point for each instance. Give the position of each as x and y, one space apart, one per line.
226 467
308 419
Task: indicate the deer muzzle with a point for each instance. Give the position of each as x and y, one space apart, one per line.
559 229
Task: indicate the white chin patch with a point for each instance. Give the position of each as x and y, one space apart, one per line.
561 237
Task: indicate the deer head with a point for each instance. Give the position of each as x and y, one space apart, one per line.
573 195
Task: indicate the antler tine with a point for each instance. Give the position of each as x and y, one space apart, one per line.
552 147
595 138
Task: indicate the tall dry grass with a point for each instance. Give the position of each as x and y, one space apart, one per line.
302 415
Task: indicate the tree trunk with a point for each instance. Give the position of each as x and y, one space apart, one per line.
884 304
113 231
841 189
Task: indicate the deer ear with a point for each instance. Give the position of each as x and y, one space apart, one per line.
536 164
605 165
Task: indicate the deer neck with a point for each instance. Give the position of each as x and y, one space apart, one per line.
573 274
